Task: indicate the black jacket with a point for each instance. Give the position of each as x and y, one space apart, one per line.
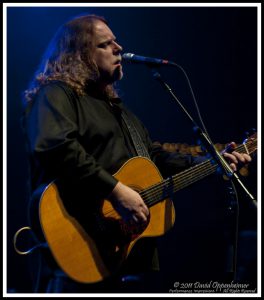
82 141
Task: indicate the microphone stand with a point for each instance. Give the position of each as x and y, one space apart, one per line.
209 146
224 166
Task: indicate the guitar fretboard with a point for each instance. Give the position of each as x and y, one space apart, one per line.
171 185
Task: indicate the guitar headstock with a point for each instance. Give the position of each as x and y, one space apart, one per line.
251 144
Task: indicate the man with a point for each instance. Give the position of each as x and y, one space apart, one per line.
78 134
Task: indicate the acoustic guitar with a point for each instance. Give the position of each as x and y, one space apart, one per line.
92 251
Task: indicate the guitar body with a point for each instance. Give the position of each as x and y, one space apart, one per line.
91 252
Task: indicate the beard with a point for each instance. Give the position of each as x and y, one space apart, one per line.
118 73
110 78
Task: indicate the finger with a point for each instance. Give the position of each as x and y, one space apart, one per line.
239 156
247 157
243 157
231 157
146 210
143 218
138 218
134 219
232 145
233 167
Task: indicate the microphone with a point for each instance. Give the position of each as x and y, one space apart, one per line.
146 60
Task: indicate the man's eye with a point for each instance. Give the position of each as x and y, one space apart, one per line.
104 45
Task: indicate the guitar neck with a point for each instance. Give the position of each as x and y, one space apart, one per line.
171 185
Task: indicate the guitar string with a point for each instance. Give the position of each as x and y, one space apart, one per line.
186 182
187 170
156 190
195 168
177 184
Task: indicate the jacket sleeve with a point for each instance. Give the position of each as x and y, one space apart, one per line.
52 130
170 163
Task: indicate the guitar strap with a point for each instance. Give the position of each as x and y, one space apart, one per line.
135 136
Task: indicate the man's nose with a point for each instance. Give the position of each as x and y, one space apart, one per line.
117 47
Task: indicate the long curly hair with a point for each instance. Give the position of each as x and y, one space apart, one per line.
68 59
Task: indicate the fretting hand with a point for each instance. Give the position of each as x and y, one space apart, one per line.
235 159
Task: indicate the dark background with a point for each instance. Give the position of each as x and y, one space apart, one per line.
217 47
